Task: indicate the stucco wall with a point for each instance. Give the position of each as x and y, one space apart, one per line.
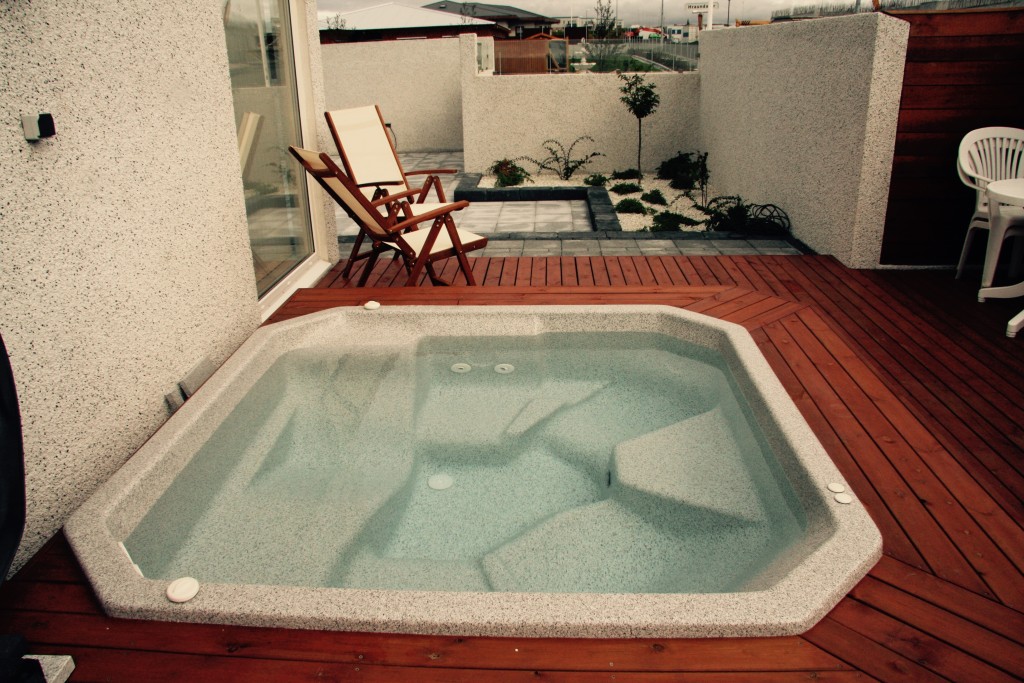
123 241
415 82
510 116
803 115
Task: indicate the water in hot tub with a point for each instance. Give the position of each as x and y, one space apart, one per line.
569 462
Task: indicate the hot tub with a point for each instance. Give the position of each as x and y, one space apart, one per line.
614 471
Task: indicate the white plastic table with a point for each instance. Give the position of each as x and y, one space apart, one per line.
1005 192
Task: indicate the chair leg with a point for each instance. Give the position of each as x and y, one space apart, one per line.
352 256
968 240
371 261
1017 257
996 233
466 269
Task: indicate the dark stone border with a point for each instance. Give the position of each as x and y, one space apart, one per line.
602 211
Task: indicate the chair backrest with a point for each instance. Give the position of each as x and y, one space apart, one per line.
365 147
988 154
341 188
248 131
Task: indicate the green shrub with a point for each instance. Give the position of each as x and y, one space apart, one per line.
654 197
596 180
630 205
508 173
668 221
559 159
732 214
687 171
626 188
628 174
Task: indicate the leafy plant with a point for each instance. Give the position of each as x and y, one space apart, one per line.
628 174
508 173
630 205
727 214
641 100
667 221
596 180
732 214
336 22
654 197
625 188
560 160
687 171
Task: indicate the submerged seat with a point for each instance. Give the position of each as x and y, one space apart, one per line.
398 229
369 157
987 155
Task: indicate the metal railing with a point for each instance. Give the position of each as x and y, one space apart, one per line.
639 55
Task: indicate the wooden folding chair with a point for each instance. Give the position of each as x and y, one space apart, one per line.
369 156
398 228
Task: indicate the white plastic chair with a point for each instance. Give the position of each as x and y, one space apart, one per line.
988 154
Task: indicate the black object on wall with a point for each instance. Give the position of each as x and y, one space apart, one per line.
12 467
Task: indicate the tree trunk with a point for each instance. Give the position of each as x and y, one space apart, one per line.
640 143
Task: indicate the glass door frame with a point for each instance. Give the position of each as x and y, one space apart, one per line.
317 264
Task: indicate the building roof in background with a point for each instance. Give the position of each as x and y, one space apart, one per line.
493 12
392 15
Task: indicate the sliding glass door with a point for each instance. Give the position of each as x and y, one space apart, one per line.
261 57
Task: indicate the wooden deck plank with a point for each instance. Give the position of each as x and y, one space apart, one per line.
924 649
906 373
688 269
979 642
992 615
887 423
895 541
870 656
600 267
1007 537
931 541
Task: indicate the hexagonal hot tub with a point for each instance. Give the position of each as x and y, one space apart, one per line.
614 471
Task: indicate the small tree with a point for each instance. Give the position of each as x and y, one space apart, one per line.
601 50
641 100
335 22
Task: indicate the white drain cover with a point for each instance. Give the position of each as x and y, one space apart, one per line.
504 368
183 589
461 368
440 482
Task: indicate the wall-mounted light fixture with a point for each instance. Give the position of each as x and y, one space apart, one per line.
38 126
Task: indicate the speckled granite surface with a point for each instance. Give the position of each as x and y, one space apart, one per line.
786 597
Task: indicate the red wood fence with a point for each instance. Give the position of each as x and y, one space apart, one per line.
965 70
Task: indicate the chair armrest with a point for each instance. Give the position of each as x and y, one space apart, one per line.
432 171
388 198
378 184
429 216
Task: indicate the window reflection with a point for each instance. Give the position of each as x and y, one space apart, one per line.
258 38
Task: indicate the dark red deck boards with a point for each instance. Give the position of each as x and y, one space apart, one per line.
908 382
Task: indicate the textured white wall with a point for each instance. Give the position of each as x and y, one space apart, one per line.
415 82
510 116
123 241
803 115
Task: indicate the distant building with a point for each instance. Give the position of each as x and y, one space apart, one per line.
645 33
519 22
392 21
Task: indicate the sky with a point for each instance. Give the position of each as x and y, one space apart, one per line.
646 12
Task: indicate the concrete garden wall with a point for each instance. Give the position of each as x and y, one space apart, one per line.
510 116
803 115
415 82
123 240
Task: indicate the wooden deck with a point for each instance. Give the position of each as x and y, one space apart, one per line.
907 381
